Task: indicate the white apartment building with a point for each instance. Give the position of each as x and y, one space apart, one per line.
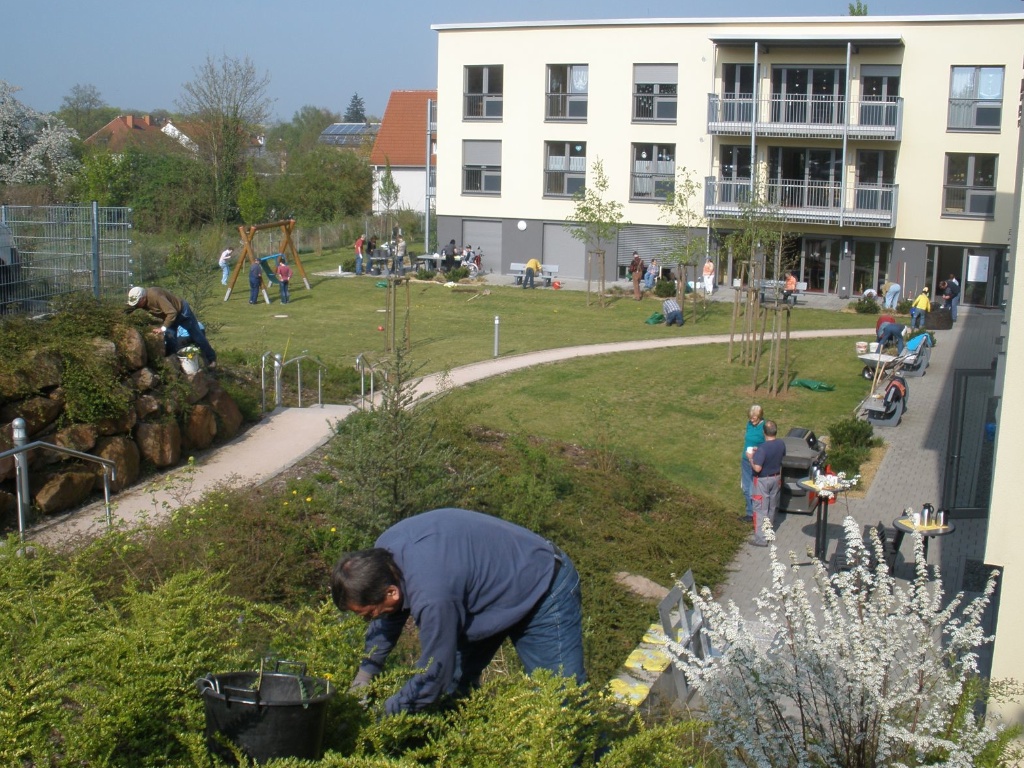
887 144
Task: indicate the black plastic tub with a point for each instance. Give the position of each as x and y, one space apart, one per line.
267 715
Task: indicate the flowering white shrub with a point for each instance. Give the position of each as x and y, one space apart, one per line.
860 671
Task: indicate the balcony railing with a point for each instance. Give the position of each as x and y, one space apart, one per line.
811 202
975 115
825 117
973 202
566 106
655 108
485 106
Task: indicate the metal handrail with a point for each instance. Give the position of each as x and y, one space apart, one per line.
21 470
279 366
362 364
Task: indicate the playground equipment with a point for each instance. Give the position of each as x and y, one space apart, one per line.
267 263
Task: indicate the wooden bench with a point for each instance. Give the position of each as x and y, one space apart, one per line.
547 273
776 289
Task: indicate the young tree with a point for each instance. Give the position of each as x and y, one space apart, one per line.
34 148
595 221
251 204
356 112
858 8
860 671
682 214
227 103
387 193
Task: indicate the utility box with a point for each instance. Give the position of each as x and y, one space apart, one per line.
804 453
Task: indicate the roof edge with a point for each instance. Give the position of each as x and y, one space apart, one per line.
732 21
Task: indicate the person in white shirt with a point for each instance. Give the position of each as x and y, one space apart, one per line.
224 262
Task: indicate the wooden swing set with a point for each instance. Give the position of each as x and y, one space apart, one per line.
248 256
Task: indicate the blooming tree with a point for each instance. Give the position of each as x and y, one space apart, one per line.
34 148
859 671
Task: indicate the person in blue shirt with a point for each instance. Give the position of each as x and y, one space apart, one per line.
468 581
767 465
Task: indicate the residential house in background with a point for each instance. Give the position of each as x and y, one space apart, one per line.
142 132
350 135
406 140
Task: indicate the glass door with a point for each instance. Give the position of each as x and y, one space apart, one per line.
880 89
970 451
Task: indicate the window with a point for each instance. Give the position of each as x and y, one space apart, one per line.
567 91
970 188
975 99
655 92
880 93
805 95
734 174
654 171
481 167
876 173
565 167
483 92
737 92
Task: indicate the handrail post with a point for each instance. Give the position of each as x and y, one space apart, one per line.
277 381
298 367
20 435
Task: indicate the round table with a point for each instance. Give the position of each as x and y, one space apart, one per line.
820 515
905 525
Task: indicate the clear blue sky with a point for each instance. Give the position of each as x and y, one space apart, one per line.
318 52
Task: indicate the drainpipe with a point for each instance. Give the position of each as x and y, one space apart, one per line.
846 132
754 111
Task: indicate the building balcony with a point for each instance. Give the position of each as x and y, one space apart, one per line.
817 117
807 202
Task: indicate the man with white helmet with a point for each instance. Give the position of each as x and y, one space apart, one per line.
172 312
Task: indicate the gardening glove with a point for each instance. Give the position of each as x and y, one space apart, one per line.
359 682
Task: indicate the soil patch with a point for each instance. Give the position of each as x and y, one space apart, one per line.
868 470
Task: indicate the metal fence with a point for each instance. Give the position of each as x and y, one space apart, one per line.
55 250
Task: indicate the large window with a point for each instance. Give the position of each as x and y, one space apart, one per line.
738 92
654 171
565 167
567 91
483 92
970 188
655 92
734 173
975 99
481 167
809 94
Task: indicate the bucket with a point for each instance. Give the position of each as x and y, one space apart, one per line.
873 346
862 347
266 715
189 362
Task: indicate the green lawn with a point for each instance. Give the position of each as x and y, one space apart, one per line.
338 320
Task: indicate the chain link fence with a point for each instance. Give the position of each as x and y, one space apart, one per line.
55 250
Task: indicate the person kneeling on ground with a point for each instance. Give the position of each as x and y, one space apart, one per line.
671 310
173 312
497 581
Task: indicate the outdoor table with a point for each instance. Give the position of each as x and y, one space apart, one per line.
820 516
905 525
433 262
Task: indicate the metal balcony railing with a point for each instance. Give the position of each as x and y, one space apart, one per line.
484 106
812 202
825 117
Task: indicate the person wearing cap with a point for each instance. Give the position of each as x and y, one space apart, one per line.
892 333
920 308
468 581
173 312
